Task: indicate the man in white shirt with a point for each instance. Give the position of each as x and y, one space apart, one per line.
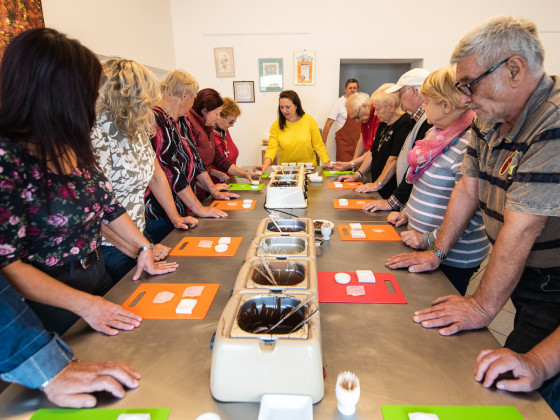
347 130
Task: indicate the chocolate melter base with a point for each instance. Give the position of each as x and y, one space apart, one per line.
285 275
256 321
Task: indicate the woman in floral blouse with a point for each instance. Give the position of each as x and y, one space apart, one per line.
121 144
53 199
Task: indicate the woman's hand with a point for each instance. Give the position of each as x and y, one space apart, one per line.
342 166
397 218
225 195
369 187
184 222
377 205
211 212
108 317
146 263
259 168
348 178
160 252
413 239
222 187
220 175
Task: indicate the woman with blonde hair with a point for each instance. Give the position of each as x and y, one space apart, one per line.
381 159
435 164
121 143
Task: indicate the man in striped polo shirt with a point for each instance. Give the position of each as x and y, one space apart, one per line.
511 171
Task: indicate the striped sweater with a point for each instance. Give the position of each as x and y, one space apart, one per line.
428 202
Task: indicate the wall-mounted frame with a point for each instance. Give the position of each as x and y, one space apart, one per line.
223 58
271 74
304 68
244 91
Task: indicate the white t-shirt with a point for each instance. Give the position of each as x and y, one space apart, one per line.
338 113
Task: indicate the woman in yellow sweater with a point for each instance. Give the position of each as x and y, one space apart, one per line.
294 135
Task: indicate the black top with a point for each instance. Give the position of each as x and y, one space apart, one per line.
404 189
388 142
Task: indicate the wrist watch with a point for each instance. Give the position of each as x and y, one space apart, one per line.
144 248
353 165
439 253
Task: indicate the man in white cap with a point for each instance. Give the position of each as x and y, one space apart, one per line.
408 90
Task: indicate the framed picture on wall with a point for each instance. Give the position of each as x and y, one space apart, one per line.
244 91
271 75
304 68
223 58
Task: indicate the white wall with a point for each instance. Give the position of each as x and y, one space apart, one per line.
139 29
135 29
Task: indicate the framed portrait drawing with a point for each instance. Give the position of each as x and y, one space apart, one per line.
271 75
304 68
223 58
244 91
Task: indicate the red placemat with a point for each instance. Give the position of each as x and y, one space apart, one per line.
232 205
373 233
352 203
379 292
345 185
142 301
188 247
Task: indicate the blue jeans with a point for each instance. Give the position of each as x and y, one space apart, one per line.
118 264
158 229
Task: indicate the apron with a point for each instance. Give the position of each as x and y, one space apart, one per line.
346 139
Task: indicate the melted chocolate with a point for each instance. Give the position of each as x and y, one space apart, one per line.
283 183
257 321
288 275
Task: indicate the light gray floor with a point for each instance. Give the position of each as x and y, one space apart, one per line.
502 325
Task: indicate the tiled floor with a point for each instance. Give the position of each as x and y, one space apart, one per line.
502 325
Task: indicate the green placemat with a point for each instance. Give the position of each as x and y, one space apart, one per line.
245 187
96 413
336 173
450 412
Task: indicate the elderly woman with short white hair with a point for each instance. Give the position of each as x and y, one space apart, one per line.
381 159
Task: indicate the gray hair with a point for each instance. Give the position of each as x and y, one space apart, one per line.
381 97
354 102
500 37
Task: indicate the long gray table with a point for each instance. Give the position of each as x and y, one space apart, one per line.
397 361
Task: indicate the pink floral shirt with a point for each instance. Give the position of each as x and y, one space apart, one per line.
67 228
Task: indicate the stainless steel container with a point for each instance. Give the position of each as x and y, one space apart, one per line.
282 246
301 226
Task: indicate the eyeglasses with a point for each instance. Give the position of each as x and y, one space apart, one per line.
466 89
357 117
399 93
230 122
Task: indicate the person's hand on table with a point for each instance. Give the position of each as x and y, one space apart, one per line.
222 187
455 313
220 195
348 178
413 239
342 166
160 252
377 205
259 168
527 369
369 187
146 263
416 262
397 218
222 177
211 212
73 385
184 222
108 317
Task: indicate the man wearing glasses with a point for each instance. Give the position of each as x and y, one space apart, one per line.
511 171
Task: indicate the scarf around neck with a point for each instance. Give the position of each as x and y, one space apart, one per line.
426 151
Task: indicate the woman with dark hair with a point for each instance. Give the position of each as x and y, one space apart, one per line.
294 135
200 122
53 199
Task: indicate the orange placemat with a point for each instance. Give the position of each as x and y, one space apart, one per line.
232 205
352 204
141 302
355 292
188 247
345 185
373 233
